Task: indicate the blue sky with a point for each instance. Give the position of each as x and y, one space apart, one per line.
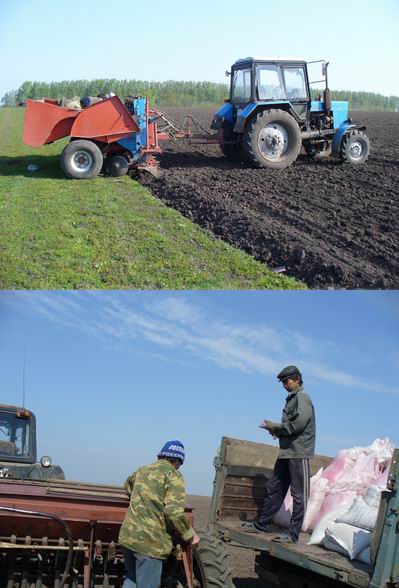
112 375
187 40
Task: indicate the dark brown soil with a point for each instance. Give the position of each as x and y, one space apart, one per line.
330 225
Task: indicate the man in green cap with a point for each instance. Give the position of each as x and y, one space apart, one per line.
156 511
296 434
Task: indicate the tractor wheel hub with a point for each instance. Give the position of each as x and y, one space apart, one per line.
273 141
356 149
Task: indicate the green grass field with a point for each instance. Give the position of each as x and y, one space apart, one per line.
103 233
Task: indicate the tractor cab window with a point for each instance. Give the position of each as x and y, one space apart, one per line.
241 88
269 83
14 436
295 85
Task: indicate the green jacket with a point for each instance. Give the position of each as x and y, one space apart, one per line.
156 510
297 430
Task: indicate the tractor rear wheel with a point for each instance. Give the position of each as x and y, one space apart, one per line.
272 139
355 148
212 567
81 160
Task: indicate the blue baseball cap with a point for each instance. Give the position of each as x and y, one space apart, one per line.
173 449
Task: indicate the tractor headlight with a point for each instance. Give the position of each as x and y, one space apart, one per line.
46 461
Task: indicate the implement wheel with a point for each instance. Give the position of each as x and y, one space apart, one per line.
272 139
355 148
81 160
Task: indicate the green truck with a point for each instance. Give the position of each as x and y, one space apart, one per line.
242 470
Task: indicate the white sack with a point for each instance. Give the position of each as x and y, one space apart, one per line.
360 514
320 529
346 539
365 556
373 495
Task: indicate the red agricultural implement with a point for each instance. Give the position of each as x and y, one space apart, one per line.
56 533
110 134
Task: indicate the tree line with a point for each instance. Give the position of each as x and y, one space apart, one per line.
173 93
170 93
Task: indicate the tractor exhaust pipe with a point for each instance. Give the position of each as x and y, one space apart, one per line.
327 92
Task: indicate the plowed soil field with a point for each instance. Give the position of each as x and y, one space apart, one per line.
330 225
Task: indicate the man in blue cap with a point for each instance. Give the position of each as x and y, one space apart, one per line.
156 509
296 434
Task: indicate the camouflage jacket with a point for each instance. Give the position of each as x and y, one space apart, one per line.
156 510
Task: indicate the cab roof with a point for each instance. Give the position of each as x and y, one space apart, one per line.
269 59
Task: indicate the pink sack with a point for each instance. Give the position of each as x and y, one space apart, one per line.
333 500
344 461
364 472
318 489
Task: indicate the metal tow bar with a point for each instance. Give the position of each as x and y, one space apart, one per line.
191 129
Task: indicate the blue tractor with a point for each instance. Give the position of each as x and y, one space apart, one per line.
270 117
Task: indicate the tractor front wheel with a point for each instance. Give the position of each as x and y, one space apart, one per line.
272 139
355 148
81 160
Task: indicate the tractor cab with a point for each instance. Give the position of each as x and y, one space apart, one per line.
270 81
18 458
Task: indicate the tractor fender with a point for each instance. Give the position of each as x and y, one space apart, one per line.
342 129
253 107
225 112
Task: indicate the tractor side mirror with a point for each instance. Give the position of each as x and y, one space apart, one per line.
227 73
324 68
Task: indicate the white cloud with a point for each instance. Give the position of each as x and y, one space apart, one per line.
168 322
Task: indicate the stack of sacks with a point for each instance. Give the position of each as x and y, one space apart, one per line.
352 472
333 490
350 532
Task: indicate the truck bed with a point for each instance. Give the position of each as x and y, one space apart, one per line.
243 468
312 558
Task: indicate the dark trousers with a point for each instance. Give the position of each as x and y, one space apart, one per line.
287 473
